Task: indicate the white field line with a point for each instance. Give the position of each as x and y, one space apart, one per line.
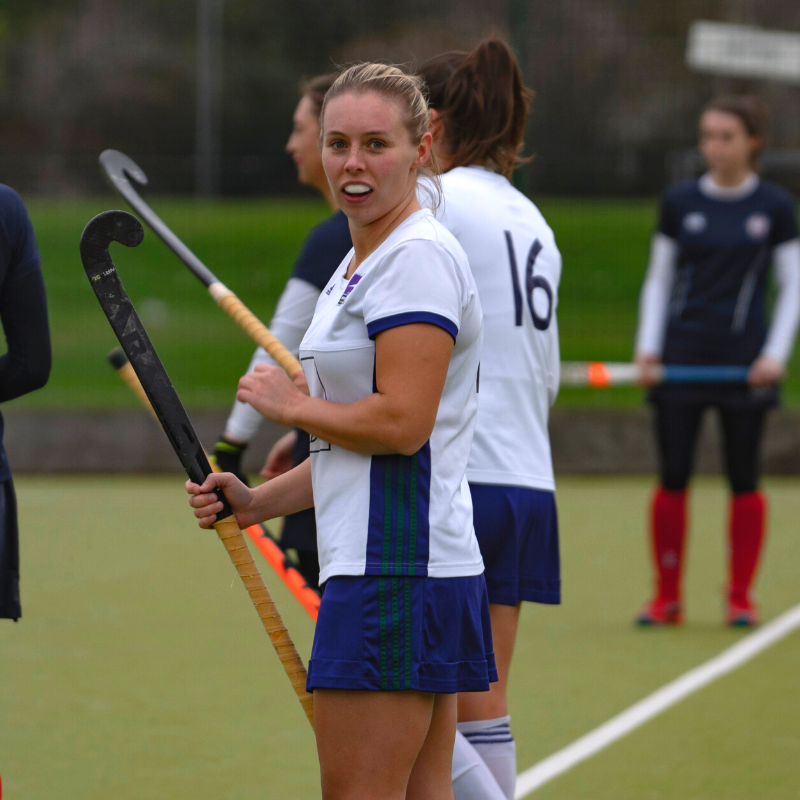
659 701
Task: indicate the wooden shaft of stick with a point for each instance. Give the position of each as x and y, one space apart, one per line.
230 535
228 531
254 328
291 578
295 582
130 377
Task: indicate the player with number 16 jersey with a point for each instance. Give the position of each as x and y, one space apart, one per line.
479 107
515 262
516 265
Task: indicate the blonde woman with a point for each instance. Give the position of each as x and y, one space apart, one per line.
391 360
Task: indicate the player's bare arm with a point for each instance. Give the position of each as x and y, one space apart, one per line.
411 367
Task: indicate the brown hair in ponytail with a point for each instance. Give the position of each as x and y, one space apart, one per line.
482 101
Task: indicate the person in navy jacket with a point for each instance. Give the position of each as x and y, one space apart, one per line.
704 302
23 368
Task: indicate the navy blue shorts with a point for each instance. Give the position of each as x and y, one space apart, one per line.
517 530
391 633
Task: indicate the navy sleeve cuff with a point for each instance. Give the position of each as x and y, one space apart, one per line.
409 318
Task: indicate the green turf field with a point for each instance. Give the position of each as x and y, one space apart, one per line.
141 671
251 245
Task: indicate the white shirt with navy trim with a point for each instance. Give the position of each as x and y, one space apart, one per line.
397 515
516 264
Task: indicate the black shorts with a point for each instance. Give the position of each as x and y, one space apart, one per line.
677 424
9 553
721 395
300 529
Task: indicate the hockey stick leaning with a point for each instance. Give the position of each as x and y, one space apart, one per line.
259 535
599 374
122 227
118 169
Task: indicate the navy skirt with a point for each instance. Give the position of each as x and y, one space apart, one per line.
517 530
395 632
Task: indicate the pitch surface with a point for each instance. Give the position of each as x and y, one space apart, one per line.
140 670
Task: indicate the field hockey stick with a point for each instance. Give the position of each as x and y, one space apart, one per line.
119 226
599 374
272 551
119 169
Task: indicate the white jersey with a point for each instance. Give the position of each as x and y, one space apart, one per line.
397 515
516 265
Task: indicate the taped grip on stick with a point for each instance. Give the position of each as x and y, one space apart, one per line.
230 535
122 227
254 328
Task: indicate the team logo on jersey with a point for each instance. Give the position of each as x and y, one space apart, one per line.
696 222
351 284
757 226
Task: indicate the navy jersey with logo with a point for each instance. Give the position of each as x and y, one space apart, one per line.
323 250
717 311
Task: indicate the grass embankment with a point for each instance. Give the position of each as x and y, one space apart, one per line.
251 245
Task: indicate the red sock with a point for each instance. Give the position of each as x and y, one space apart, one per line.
747 524
668 532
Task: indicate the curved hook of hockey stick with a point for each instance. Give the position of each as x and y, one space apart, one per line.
110 226
116 164
119 169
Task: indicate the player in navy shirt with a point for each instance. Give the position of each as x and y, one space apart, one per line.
703 302
24 367
323 250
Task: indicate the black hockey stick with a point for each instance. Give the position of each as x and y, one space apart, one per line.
270 548
119 226
119 169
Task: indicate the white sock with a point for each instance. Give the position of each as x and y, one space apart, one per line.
492 740
472 779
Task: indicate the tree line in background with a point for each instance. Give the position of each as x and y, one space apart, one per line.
613 95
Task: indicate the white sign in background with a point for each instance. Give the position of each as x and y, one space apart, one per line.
743 51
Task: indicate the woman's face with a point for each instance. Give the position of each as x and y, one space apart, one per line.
303 144
725 143
368 155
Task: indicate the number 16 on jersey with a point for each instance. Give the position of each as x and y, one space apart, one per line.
532 282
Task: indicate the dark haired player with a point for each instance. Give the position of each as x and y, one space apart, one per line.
703 302
24 367
479 109
323 250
